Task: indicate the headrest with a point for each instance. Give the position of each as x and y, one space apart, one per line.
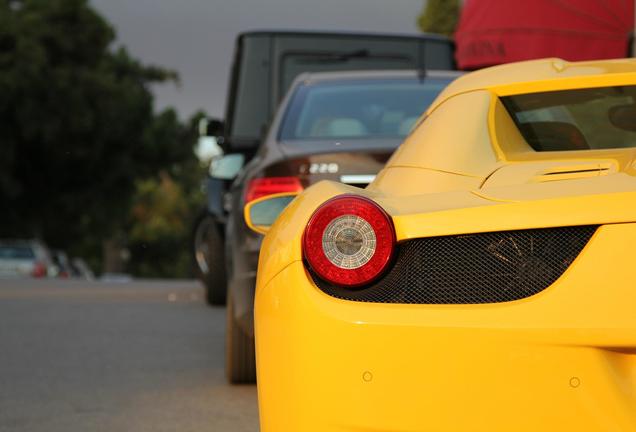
345 127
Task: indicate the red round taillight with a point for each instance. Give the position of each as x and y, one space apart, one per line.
39 270
349 241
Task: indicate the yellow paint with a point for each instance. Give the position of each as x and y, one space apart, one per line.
541 75
504 366
459 129
564 359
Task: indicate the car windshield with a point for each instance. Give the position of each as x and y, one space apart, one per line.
358 109
582 119
16 252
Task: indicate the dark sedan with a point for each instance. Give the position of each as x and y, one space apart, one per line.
339 126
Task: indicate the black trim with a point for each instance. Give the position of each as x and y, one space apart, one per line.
379 35
492 267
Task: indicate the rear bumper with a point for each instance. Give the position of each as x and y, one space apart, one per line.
564 359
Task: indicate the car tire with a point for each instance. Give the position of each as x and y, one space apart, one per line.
240 358
209 258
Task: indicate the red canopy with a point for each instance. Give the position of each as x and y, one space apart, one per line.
500 31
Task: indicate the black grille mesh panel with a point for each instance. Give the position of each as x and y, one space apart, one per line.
474 268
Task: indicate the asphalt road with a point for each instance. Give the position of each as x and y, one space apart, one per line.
140 356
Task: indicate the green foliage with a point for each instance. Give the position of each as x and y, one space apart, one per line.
78 133
439 16
165 206
161 222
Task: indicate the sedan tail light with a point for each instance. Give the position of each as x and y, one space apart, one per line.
349 241
39 270
260 187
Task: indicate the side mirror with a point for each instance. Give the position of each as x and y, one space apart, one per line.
261 213
226 167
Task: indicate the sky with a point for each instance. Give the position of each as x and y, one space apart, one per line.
196 37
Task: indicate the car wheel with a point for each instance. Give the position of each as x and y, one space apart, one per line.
240 358
209 262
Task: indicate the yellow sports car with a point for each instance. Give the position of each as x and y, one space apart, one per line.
483 282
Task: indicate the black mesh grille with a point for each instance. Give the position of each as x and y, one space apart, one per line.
474 268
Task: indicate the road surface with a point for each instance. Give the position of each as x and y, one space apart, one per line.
139 356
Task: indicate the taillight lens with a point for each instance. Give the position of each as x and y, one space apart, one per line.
260 187
349 241
39 270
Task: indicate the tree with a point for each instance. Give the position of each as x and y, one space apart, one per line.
160 223
78 130
439 16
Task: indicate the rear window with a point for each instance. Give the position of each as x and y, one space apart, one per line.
583 119
358 109
293 64
16 252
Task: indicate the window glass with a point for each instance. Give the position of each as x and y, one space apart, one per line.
358 109
582 119
295 64
16 252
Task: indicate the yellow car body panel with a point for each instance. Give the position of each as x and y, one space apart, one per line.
540 75
562 359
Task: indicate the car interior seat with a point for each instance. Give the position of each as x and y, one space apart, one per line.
345 127
342 127
338 127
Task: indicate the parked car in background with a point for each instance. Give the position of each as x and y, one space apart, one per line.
340 126
483 281
25 258
80 269
265 65
62 264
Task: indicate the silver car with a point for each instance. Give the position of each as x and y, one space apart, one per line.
24 258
